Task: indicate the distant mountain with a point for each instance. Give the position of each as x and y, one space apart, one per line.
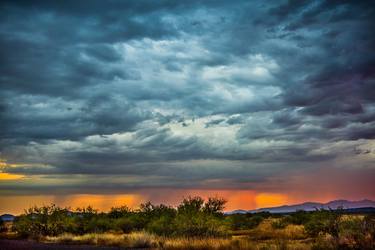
239 211
7 217
311 206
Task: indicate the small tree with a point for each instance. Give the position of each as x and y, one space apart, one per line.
191 205
197 218
214 206
118 212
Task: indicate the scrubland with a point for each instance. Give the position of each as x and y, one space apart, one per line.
194 224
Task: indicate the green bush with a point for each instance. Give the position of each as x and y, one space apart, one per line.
199 225
279 224
164 225
129 224
244 221
100 224
324 222
118 212
197 218
47 220
357 233
83 220
298 218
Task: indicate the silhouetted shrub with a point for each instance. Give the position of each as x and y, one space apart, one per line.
3 227
244 221
214 206
118 212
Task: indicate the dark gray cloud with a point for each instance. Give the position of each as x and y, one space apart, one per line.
183 92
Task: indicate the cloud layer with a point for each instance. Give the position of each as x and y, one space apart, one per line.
101 97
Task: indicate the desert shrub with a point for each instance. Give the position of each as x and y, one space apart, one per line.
152 212
164 225
279 224
191 206
197 218
3 227
83 220
151 217
118 212
265 214
193 217
315 227
21 225
369 231
148 217
324 243
129 223
244 221
99 224
324 222
298 218
369 225
40 221
357 233
199 225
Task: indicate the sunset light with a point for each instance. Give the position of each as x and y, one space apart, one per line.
142 116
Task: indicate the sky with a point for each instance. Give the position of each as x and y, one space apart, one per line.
263 103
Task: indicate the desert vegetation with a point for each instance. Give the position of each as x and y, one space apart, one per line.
195 224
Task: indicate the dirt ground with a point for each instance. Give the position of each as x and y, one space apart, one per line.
30 245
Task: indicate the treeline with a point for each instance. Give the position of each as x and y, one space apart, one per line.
192 217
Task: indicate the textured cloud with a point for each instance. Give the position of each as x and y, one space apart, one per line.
122 95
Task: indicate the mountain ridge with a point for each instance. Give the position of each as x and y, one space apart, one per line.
311 206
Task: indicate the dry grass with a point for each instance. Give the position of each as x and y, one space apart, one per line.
347 217
145 240
261 238
133 240
239 242
265 231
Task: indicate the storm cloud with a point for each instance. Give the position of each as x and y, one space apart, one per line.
120 95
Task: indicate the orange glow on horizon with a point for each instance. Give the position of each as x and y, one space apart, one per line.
103 202
270 200
237 199
17 204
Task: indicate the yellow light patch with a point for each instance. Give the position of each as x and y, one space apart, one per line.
103 202
6 176
270 200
